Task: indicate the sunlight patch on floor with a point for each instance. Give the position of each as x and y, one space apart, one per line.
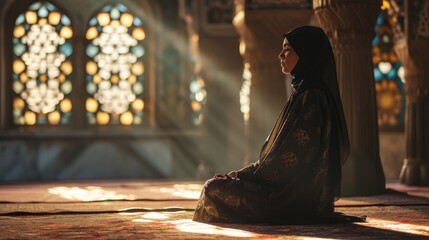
397 226
190 191
90 193
187 225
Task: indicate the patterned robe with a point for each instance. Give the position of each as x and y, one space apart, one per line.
291 182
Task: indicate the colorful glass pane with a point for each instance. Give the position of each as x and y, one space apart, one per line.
115 68
245 93
42 67
388 76
198 99
197 88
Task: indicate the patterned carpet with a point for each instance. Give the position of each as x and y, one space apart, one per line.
163 210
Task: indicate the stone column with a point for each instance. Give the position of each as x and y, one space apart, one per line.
350 28
412 46
261 24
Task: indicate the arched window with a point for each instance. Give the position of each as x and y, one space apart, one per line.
42 66
388 74
115 67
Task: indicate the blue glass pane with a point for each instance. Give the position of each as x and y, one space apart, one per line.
18 49
115 14
377 74
380 19
42 121
391 74
122 8
107 8
15 76
91 50
35 6
397 66
43 12
20 19
66 49
93 21
16 41
376 40
50 6
137 21
138 51
65 20
65 118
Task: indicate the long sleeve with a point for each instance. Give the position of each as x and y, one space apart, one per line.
247 171
301 148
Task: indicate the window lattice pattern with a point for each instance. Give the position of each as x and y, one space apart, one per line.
41 66
115 67
388 74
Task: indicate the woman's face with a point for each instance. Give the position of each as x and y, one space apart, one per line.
288 57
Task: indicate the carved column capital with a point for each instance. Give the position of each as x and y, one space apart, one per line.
348 24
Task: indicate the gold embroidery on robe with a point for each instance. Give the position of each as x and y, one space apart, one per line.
301 136
289 159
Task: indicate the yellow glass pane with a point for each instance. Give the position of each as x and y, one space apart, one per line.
102 118
114 79
19 31
196 106
54 117
66 32
23 77
54 18
137 68
30 118
66 105
127 19
62 78
18 103
31 17
138 34
91 67
91 105
18 66
91 33
138 105
43 78
115 23
200 82
132 79
66 67
42 21
385 101
96 79
385 5
126 118
103 19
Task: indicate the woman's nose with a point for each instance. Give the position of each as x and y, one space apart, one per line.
281 56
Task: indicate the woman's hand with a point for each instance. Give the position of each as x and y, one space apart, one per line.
232 174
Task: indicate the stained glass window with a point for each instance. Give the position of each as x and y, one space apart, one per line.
115 68
197 88
388 74
42 67
245 93
198 98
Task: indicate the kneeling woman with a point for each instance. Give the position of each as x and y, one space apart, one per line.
297 177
